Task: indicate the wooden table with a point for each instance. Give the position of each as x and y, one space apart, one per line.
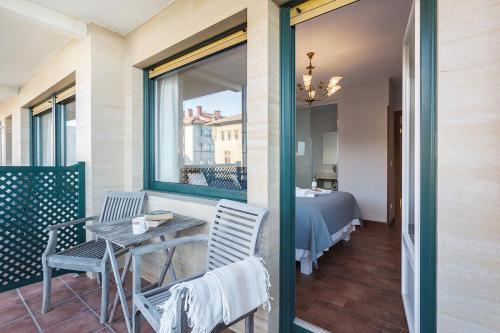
120 233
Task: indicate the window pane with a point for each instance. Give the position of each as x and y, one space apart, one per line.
45 139
197 109
70 130
411 134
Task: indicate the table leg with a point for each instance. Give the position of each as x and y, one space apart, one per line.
168 263
128 261
119 286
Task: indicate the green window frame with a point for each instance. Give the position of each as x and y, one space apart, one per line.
428 167
36 134
150 183
58 128
61 131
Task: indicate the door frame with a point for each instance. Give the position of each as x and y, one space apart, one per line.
428 163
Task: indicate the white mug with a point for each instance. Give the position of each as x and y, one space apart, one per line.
139 225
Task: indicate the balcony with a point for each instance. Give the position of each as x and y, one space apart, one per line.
31 199
75 307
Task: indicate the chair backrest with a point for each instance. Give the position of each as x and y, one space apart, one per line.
118 205
235 233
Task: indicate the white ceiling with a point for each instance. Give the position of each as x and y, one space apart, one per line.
361 42
32 31
216 74
25 45
121 16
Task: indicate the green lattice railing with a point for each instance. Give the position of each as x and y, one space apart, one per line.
31 199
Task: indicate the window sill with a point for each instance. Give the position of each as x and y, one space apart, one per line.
209 201
204 192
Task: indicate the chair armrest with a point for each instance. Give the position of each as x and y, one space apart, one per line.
145 249
66 224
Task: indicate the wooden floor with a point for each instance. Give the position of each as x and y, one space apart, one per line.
357 287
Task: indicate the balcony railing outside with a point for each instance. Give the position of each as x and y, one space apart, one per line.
226 176
31 199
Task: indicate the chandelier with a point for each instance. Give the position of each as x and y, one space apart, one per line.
307 92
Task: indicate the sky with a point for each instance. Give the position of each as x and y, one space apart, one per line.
228 102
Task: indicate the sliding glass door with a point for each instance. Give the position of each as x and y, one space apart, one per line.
418 235
67 117
43 128
53 130
411 173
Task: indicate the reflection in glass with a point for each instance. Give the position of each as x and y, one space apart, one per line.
411 135
316 147
200 123
70 133
44 139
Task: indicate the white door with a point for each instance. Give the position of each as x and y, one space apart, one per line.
410 259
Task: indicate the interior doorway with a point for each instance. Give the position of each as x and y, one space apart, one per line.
335 312
398 162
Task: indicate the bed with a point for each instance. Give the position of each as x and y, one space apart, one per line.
320 222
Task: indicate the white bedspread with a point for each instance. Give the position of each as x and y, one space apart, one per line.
307 193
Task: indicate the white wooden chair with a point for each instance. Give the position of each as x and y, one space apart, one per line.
90 256
234 236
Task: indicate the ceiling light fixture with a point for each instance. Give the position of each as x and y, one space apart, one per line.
309 94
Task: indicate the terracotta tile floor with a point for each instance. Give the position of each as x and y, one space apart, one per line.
75 308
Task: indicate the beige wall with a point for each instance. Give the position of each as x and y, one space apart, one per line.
107 114
468 190
60 66
19 144
362 130
6 142
99 113
150 43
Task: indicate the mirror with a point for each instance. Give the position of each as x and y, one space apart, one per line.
330 148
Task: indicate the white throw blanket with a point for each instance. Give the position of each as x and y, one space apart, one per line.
222 295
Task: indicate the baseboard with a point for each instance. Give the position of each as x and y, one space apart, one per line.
372 221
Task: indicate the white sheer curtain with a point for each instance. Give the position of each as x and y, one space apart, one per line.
167 129
70 144
47 140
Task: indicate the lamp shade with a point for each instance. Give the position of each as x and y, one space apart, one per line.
333 90
333 81
307 81
312 93
308 92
